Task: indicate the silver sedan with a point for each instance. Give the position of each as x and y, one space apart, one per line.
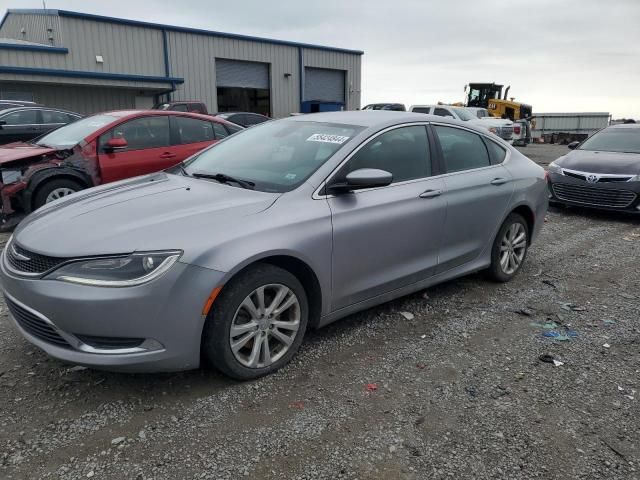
233 255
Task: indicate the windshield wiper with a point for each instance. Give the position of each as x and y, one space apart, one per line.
223 178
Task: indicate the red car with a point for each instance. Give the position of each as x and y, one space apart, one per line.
99 149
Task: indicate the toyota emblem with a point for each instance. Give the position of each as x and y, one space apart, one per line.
591 178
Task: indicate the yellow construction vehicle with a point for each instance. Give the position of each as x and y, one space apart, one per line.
489 96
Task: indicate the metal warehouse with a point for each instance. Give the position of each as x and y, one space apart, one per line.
89 63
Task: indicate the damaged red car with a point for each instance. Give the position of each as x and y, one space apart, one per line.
99 149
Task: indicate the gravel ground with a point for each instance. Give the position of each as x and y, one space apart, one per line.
457 391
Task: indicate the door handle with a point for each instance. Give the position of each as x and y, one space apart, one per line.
168 155
499 181
431 194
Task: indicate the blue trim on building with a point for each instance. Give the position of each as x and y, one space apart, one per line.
98 75
33 48
172 28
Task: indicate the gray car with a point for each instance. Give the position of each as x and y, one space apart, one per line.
231 256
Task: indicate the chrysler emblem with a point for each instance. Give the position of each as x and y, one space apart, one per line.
591 178
18 256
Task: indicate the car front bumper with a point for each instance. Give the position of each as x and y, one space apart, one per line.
163 316
613 196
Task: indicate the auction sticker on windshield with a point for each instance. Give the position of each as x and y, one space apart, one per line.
321 137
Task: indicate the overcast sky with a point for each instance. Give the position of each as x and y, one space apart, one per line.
558 55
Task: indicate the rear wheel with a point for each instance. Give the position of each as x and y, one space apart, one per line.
55 189
509 248
257 323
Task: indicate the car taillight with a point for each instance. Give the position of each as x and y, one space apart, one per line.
516 129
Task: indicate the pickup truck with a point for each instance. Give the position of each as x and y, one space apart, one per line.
498 126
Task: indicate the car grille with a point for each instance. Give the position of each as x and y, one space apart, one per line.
505 132
600 179
602 197
34 325
36 263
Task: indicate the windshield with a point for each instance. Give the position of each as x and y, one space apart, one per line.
275 156
624 140
464 114
71 134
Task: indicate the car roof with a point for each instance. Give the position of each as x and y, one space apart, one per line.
147 113
239 113
36 107
375 118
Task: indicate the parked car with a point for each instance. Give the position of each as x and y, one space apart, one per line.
601 172
100 149
20 124
244 119
4 104
396 107
502 128
234 254
192 106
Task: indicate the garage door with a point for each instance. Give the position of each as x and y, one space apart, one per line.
234 73
324 84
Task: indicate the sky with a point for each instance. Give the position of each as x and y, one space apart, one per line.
557 55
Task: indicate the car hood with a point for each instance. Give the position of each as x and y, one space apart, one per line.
601 162
19 151
154 212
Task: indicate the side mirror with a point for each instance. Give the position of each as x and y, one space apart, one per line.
573 145
362 178
117 143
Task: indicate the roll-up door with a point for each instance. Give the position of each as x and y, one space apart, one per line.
324 84
235 73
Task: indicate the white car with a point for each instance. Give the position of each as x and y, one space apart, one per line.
502 128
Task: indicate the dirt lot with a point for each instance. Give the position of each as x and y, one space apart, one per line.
457 391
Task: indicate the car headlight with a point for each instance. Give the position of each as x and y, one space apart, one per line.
125 271
555 168
10 176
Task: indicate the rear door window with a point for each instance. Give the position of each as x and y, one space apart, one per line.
191 130
141 133
421 110
220 131
497 153
51 116
461 149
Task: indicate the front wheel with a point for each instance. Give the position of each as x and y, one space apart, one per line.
257 323
509 248
55 189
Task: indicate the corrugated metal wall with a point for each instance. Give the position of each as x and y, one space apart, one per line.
585 122
35 28
193 57
84 100
139 50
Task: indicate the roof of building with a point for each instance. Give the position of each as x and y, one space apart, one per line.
172 28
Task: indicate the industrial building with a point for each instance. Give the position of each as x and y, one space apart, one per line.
88 63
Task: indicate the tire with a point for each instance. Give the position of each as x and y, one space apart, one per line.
497 270
50 186
229 310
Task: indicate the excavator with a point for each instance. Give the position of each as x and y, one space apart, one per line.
490 97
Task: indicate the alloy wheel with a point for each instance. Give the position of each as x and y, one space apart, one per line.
59 193
513 248
265 325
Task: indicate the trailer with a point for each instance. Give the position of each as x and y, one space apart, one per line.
568 127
